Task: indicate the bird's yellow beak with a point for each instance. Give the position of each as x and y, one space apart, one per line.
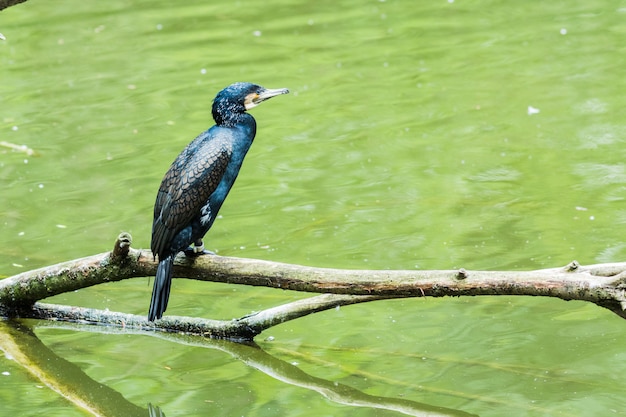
255 99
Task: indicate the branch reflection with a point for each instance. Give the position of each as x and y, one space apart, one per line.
18 340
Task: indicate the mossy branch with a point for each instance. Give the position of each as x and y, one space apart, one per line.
602 284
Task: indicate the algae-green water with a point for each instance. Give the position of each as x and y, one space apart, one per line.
417 135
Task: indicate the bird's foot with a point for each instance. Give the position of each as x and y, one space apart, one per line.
197 249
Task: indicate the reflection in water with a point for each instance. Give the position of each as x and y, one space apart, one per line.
155 411
19 341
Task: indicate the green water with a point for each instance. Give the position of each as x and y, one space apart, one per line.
411 139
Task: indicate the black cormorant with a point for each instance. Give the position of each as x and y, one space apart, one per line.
199 180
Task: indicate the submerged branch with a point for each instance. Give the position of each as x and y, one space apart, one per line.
602 284
19 148
244 328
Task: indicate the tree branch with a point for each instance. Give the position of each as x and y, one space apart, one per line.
244 328
602 284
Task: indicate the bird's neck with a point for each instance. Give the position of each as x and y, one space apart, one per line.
234 119
243 122
242 129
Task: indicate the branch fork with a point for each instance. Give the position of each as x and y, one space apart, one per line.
601 284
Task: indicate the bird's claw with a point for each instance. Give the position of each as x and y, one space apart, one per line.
192 251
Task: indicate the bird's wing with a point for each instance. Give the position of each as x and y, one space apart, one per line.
186 188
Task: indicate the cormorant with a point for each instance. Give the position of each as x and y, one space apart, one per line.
199 180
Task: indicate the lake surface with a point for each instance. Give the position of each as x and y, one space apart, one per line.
417 135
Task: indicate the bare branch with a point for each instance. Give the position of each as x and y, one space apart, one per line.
602 284
241 329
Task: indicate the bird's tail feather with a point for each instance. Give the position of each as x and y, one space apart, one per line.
161 289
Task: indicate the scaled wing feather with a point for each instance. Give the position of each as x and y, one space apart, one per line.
181 198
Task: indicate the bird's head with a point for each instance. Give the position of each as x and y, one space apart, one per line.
239 97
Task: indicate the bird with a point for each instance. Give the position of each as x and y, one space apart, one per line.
198 181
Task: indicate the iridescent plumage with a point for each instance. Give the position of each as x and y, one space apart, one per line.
198 181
